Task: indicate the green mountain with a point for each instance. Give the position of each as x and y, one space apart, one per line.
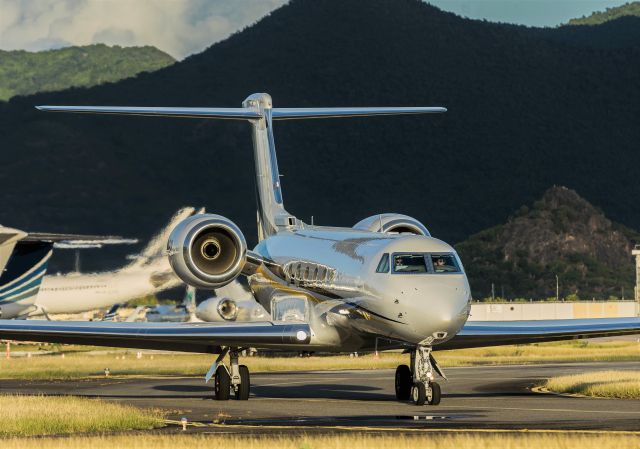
561 234
24 73
599 17
524 112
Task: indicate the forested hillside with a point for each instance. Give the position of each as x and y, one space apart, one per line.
24 73
599 17
525 112
560 234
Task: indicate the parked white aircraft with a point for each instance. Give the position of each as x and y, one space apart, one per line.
385 283
23 263
148 274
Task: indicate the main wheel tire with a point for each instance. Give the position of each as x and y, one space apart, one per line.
242 393
418 393
433 398
222 384
403 383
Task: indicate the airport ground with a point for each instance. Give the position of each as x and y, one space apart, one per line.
81 362
482 397
485 404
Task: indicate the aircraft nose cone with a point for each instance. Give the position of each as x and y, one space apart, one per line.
439 312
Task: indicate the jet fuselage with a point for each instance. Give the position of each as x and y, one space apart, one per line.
330 278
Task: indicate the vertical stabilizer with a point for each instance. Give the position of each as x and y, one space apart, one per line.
8 239
189 302
21 278
271 211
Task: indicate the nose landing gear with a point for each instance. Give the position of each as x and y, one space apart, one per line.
235 378
416 383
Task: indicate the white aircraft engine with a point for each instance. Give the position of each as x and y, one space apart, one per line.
392 223
207 251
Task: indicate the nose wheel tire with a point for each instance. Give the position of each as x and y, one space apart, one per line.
242 391
222 384
404 381
418 393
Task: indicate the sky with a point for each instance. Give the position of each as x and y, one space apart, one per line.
184 27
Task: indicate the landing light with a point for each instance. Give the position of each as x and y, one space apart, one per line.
301 335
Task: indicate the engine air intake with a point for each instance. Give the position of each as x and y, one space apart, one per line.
207 251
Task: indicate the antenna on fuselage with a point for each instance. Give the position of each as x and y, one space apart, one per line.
259 111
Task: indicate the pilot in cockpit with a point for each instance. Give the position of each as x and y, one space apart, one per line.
400 264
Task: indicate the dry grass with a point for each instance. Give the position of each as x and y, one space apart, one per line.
350 441
604 384
39 415
78 364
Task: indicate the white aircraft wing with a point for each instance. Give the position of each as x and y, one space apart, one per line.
477 334
186 337
77 240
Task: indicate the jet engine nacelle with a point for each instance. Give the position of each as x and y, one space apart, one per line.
207 251
225 309
392 223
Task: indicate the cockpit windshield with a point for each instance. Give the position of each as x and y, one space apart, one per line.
409 263
444 263
435 263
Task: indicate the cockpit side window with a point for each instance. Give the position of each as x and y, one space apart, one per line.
409 263
383 265
445 263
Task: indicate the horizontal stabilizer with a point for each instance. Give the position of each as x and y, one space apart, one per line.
245 113
302 113
219 113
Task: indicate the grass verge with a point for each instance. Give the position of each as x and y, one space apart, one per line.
39 415
340 441
603 384
78 364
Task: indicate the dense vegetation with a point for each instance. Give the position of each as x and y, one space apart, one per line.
561 234
24 73
525 112
598 17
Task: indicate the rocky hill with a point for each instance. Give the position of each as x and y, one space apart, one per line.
561 234
24 73
525 112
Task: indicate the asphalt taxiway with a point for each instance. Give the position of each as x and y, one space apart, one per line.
485 397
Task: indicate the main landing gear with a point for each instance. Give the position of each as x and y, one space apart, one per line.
233 379
416 383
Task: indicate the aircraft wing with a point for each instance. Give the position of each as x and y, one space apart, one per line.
77 241
477 334
186 337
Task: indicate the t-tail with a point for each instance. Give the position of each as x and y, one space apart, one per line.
259 111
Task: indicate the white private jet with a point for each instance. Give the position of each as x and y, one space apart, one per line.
385 282
148 274
24 257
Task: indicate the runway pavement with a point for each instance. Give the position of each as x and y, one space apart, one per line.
490 397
